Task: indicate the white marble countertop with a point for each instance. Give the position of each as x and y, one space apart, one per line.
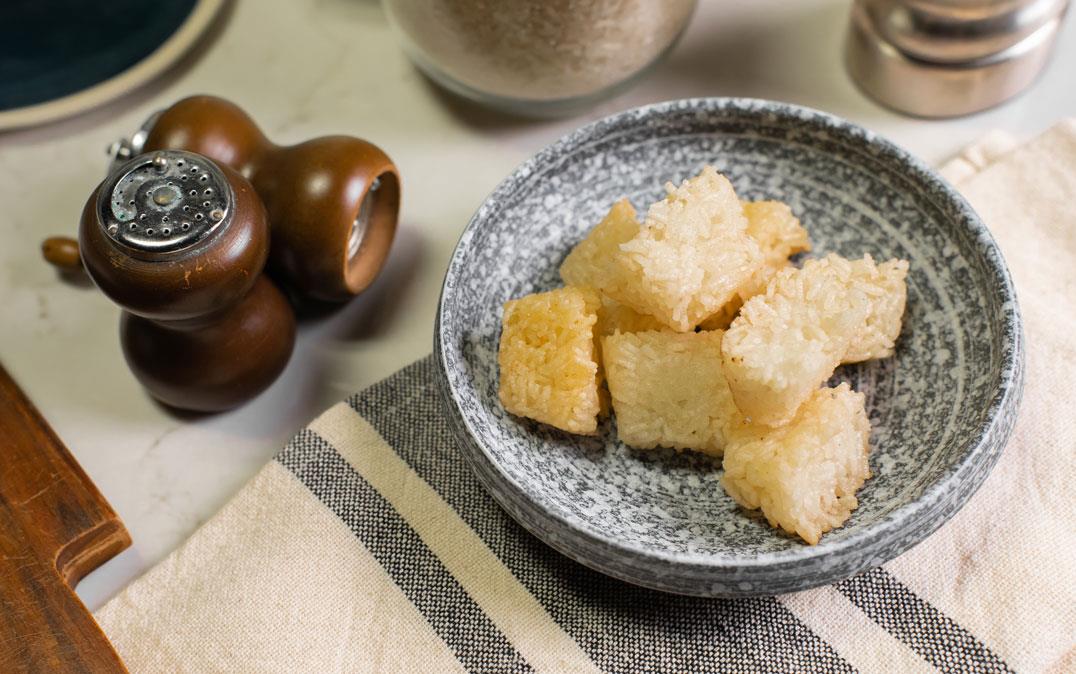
323 66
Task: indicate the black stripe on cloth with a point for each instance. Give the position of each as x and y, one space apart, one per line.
458 620
926 630
622 627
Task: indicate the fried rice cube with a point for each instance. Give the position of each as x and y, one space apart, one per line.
591 263
668 389
803 475
779 235
690 256
616 317
785 343
777 230
885 285
548 361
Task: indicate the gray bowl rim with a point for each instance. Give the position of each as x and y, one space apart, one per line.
921 513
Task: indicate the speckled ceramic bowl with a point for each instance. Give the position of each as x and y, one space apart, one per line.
941 408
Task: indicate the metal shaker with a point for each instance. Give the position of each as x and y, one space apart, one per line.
945 58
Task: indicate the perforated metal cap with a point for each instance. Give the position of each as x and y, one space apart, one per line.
164 202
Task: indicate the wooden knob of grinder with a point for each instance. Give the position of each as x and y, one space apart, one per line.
180 242
332 202
62 253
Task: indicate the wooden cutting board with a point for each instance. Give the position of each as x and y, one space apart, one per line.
55 527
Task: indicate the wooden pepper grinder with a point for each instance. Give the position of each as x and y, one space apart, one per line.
180 242
178 237
332 201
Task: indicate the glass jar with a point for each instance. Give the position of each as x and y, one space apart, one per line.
537 57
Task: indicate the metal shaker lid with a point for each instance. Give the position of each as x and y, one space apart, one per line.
164 202
943 58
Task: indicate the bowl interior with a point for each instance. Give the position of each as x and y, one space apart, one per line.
855 194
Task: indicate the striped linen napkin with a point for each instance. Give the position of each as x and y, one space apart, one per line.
367 544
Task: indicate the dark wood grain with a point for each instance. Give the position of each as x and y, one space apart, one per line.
55 527
313 192
203 329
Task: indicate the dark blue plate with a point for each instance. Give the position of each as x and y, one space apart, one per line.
57 49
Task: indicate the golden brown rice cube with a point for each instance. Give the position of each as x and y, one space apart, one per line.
787 342
548 363
779 235
885 286
778 232
668 389
616 317
591 263
804 475
691 255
